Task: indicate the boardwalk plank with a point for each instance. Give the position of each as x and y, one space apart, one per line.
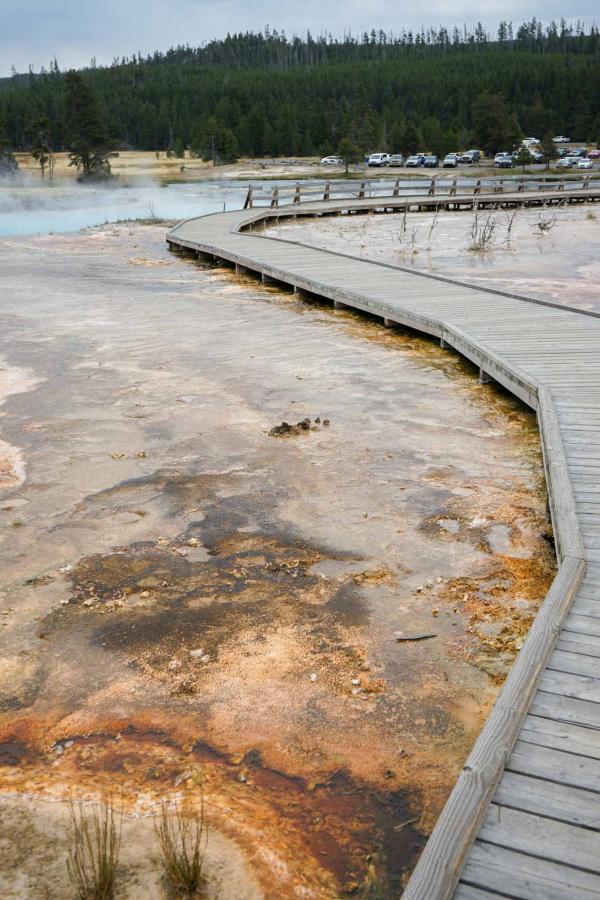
527 877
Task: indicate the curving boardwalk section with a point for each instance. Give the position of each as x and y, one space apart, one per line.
523 820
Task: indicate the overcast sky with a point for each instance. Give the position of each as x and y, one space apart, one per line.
33 31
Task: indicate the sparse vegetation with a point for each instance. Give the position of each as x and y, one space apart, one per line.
545 223
482 234
181 833
95 839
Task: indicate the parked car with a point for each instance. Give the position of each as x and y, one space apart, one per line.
562 152
561 139
504 161
529 142
431 162
593 154
580 152
450 161
585 164
413 162
396 159
378 159
567 162
332 161
470 157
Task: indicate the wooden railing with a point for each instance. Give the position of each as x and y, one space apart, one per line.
361 189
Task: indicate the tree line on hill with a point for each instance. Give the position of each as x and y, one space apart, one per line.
263 95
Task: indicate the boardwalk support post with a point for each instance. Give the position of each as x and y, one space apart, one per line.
248 203
431 190
326 192
397 188
477 189
361 193
275 198
453 189
297 194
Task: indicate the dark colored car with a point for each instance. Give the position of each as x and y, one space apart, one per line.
431 162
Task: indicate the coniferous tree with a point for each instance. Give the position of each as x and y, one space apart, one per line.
495 127
41 149
87 138
349 151
8 164
549 149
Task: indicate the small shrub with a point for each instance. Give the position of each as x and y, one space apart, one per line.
95 838
181 834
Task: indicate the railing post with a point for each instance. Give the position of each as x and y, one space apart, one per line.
477 189
453 188
326 191
586 182
397 188
361 193
248 203
431 190
275 198
297 194
561 186
521 187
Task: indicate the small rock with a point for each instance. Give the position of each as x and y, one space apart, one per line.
326 422
145 594
193 542
389 773
439 580
197 653
175 664
356 681
313 676
64 569
206 658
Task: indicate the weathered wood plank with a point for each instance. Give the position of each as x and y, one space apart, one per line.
555 801
527 877
561 736
541 837
555 766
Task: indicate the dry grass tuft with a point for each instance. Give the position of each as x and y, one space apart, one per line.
182 833
95 838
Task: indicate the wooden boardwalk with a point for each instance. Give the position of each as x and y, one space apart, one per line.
523 820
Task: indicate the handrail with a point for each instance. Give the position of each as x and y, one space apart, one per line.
380 187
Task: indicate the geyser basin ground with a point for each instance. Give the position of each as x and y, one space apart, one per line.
190 604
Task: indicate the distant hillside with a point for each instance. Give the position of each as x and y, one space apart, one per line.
265 94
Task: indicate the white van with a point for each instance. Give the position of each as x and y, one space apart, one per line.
378 159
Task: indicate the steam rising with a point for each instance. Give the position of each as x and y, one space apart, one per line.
28 207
